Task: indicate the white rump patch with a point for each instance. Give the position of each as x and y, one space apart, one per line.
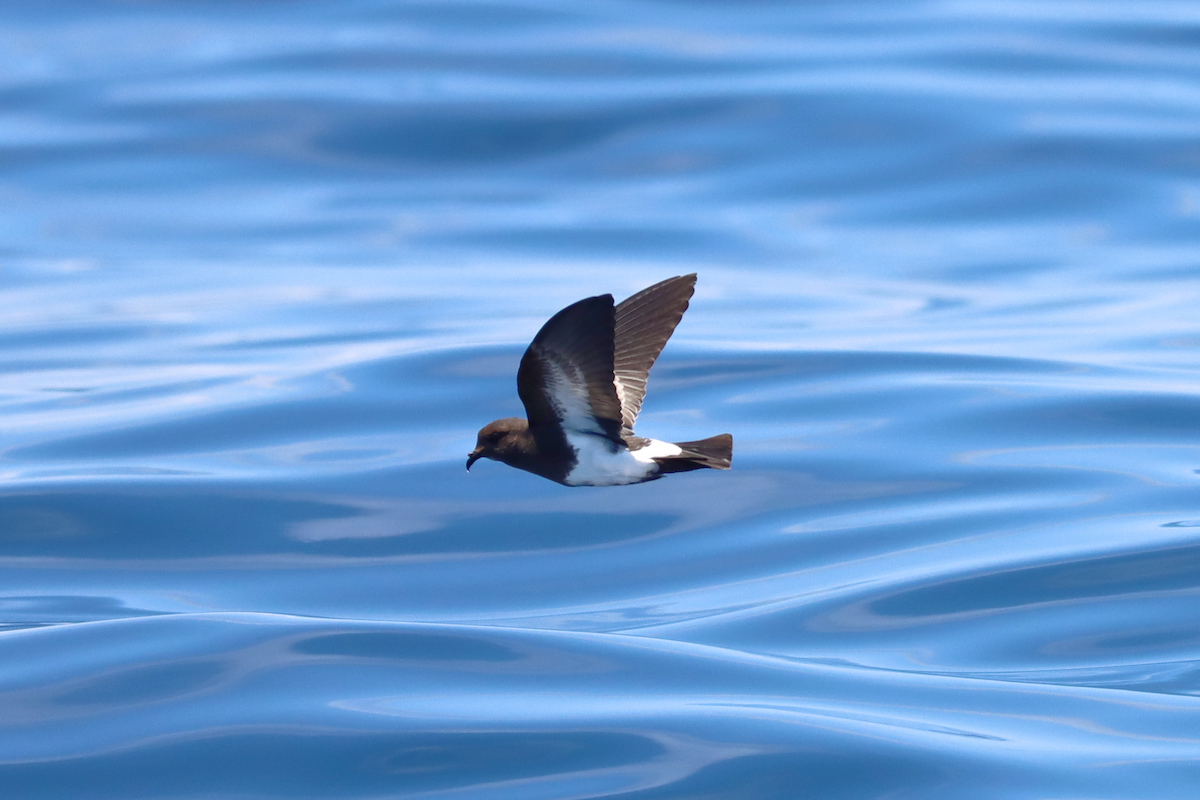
656 449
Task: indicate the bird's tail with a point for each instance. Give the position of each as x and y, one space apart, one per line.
715 452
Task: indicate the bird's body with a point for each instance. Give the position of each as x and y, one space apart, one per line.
596 464
582 382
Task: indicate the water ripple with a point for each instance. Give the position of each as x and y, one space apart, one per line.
267 270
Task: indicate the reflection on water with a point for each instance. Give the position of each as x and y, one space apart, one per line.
265 270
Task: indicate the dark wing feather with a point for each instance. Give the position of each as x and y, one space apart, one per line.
644 323
566 375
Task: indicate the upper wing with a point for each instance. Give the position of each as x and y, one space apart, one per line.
566 375
644 323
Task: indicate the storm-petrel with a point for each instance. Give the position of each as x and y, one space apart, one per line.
582 381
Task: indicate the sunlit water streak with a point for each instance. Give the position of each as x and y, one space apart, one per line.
267 268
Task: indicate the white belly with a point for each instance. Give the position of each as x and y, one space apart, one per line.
598 466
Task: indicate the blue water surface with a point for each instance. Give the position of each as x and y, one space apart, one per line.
267 267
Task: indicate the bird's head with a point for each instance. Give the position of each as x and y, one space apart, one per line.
502 440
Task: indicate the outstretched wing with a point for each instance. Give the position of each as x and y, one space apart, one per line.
566 375
644 323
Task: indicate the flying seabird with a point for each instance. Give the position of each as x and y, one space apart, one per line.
582 382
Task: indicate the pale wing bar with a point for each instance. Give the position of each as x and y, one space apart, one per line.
566 375
567 390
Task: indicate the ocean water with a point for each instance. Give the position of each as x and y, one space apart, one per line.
267 267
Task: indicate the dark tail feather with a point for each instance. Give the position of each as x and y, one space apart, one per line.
715 452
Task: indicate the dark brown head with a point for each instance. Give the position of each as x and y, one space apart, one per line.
505 440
